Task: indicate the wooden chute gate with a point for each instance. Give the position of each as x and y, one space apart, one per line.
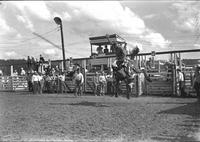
13 83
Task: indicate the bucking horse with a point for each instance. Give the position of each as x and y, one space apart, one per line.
124 68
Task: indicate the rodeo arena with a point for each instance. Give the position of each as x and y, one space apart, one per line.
113 95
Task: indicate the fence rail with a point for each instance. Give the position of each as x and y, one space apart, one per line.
13 83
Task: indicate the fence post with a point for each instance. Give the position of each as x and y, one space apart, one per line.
174 92
11 82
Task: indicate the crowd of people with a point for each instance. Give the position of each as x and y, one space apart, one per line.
53 79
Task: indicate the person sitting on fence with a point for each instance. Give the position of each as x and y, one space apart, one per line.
23 73
79 79
102 83
196 84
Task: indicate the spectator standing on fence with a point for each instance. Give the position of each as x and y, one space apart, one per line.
181 82
102 83
29 62
23 73
196 83
37 65
79 79
35 83
41 59
33 63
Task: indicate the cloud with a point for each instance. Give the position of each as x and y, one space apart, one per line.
10 54
26 21
30 10
21 18
108 15
132 45
37 8
4 28
67 16
112 17
188 15
157 40
197 45
81 19
150 16
50 51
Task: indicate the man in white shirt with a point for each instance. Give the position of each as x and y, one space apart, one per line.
15 73
79 79
61 82
181 82
40 83
23 72
35 81
102 83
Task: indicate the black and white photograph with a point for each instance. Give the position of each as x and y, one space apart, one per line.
100 71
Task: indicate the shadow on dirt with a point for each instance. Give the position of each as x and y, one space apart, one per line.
191 109
83 103
184 103
172 138
191 125
93 104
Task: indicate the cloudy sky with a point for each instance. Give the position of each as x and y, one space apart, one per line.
154 26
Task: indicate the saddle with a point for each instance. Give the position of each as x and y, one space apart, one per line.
121 70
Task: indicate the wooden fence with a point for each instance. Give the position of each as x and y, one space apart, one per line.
162 83
13 83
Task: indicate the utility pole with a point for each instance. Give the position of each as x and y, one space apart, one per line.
59 22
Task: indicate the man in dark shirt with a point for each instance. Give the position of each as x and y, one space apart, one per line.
29 62
106 49
41 59
100 49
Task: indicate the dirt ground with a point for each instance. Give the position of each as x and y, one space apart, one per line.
56 117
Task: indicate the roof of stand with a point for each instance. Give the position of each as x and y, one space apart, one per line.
102 40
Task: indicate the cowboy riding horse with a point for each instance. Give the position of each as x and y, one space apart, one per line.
124 69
